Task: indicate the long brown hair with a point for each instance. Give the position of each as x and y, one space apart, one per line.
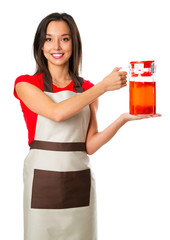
75 61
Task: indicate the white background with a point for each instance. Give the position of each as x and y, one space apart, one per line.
133 170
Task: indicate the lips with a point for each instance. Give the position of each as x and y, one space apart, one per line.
57 55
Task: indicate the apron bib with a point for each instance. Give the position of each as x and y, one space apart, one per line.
59 186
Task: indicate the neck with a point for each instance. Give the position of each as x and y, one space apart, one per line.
59 73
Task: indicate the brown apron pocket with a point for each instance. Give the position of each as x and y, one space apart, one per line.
59 190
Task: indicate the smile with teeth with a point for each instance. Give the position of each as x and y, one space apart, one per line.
57 55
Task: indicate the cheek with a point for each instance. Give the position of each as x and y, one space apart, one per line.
46 47
68 47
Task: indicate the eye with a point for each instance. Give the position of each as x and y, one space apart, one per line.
48 39
65 39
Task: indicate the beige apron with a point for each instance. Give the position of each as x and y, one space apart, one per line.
59 187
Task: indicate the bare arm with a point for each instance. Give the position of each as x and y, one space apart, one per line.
38 102
95 139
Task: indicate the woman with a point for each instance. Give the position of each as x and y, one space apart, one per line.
60 112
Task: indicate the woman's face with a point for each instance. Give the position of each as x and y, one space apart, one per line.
58 44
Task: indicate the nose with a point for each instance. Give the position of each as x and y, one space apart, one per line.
57 44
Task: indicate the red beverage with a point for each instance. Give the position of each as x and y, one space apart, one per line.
142 97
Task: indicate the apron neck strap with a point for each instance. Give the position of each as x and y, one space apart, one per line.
78 82
48 86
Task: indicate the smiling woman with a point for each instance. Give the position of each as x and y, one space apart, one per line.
60 112
59 190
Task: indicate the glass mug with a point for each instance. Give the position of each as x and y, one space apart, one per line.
142 87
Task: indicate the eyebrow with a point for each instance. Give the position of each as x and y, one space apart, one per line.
65 34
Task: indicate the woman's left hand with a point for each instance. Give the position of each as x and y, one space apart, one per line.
129 117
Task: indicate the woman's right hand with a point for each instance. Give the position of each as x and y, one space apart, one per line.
115 80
